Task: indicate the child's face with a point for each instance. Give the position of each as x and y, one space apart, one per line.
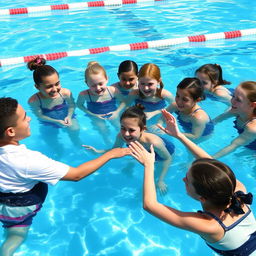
130 129
205 80
128 79
97 83
22 128
148 86
50 86
184 100
240 103
188 180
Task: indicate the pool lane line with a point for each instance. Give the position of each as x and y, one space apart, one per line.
132 47
77 6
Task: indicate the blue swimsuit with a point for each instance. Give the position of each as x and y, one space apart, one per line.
187 126
251 145
241 236
58 112
103 107
169 146
152 106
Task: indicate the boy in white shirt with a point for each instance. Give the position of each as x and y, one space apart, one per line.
24 174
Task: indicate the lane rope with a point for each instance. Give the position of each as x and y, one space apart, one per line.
132 47
77 6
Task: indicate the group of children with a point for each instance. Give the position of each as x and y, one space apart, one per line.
137 99
55 105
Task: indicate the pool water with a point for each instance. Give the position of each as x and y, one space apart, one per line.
102 214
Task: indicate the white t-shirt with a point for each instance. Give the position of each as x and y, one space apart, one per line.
21 169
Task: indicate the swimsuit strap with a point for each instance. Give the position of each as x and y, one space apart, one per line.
89 96
195 111
110 93
40 101
226 228
41 104
216 218
61 96
247 122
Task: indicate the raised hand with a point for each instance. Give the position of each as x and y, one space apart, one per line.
171 124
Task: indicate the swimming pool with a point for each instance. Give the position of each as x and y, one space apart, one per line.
102 215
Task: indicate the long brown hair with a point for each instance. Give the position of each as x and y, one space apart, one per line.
214 181
214 72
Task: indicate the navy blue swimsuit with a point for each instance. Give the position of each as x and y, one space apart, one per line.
104 107
151 106
58 112
251 145
187 126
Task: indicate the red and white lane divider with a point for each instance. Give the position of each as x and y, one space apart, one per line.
77 6
132 47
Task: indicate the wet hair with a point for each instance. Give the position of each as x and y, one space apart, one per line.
94 68
214 181
194 86
127 66
152 71
8 117
40 69
214 72
135 112
250 88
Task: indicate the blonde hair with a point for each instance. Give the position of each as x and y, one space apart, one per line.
152 71
94 68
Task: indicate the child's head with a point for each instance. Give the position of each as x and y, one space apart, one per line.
133 123
46 78
14 122
212 181
211 76
128 74
244 99
189 92
149 79
96 78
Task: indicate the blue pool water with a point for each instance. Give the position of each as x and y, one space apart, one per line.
103 215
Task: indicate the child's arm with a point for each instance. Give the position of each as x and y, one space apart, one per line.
173 130
243 139
82 97
184 220
123 104
166 157
118 143
71 104
87 168
223 116
35 107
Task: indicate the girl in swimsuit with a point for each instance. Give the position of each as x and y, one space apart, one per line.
99 101
244 109
133 127
226 223
210 76
193 119
150 93
128 77
53 105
